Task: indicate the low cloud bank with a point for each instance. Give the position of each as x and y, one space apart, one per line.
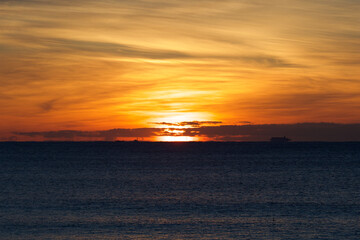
297 132
106 135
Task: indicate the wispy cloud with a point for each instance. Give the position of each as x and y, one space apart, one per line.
93 48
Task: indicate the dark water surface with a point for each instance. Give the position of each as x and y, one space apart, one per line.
138 190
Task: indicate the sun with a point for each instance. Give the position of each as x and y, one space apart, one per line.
176 138
172 130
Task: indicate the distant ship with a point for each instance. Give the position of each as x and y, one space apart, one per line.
280 139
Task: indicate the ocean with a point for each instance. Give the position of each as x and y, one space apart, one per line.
188 190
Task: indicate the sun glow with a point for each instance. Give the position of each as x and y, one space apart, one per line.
174 126
176 138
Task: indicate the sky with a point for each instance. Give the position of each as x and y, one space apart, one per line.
179 70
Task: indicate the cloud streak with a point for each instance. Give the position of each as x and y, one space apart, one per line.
189 124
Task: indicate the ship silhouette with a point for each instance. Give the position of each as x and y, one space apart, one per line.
280 139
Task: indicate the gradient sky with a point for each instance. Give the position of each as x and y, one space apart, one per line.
98 65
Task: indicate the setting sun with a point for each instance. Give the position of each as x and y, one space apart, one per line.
176 139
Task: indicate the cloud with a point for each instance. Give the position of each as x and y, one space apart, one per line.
165 123
268 61
107 135
108 49
71 46
297 132
48 105
200 123
244 122
188 123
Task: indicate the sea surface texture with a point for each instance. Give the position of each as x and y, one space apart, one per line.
140 190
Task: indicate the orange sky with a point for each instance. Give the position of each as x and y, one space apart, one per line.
96 65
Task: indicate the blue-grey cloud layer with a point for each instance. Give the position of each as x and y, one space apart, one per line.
297 132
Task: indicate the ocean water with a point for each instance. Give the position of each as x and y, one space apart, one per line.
140 190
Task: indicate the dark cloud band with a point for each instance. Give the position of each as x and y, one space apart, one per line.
297 132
